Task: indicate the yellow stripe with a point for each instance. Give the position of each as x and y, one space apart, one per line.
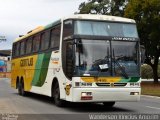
101 79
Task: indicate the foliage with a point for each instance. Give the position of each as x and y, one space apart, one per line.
146 72
105 7
147 15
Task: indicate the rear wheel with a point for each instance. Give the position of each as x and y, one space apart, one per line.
21 88
109 104
56 96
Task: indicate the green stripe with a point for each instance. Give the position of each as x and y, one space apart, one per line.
131 79
41 69
134 79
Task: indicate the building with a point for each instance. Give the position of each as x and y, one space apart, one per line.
5 63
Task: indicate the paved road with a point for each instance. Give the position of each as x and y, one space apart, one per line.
11 102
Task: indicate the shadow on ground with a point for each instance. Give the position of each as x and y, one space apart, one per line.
78 107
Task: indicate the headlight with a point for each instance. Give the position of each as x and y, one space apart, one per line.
135 84
86 96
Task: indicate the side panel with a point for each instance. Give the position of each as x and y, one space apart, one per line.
32 69
41 69
23 67
48 67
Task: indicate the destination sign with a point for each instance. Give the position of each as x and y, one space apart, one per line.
124 38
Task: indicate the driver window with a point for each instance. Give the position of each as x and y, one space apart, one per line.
69 60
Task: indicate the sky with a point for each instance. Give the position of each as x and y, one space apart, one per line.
17 17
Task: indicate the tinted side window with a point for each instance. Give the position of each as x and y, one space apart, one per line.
14 50
29 46
55 36
17 49
67 29
42 41
22 48
36 43
45 40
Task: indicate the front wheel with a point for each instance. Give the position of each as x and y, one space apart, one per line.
109 104
56 96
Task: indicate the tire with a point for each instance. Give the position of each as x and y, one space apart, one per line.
109 104
21 89
56 95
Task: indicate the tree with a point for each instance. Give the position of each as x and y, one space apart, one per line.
147 15
104 7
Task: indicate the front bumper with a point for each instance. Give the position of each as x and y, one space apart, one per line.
106 94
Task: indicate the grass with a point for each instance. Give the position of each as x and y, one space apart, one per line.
150 88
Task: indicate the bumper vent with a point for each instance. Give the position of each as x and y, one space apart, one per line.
112 84
103 84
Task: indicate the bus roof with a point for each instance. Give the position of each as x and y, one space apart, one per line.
100 17
77 16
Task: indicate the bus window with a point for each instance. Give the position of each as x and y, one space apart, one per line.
36 43
17 49
45 40
14 50
55 36
22 48
29 46
67 29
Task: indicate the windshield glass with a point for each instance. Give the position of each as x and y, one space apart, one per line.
125 58
93 58
105 29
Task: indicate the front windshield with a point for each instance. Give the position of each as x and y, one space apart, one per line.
96 58
125 58
90 56
99 28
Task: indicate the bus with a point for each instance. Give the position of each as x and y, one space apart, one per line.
81 58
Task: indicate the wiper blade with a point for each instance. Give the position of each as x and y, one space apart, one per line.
120 67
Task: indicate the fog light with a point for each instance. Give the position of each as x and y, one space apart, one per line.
134 93
86 96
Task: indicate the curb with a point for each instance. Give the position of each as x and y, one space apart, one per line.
151 96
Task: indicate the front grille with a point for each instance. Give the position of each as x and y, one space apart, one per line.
111 84
120 84
103 84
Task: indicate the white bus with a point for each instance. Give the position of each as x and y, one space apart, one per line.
81 58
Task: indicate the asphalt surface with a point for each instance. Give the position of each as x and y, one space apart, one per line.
12 103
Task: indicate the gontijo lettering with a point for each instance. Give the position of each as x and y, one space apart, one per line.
26 62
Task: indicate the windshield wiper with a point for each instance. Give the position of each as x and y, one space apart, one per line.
119 66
